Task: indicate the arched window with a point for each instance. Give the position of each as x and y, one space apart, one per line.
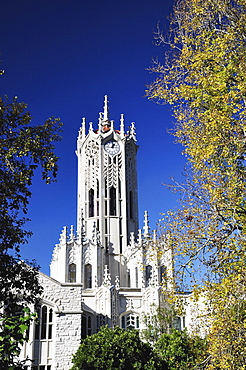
148 274
162 274
43 347
72 273
91 203
112 201
43 327
44 322
86 325
88 276
130 321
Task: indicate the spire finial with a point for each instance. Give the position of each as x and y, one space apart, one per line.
122 126
105 109
146 224
133 131
82 129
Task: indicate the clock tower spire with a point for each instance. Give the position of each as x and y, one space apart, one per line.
107 187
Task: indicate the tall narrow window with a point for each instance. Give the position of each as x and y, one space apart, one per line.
128 278
97 188
162 274
86 326
148 273
121 244
119 184
106 245
89 325
106 188
136 276
131 204
88 276
72 273
50 323
44 322
43 337
91 203
112 201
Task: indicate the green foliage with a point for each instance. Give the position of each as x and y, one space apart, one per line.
160 321
203 77
180 351
23 148
14 332
113 349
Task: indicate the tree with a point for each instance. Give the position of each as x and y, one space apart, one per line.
23 148
113 349
204 78
180 351
161 320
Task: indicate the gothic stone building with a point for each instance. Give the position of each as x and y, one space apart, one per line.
105 273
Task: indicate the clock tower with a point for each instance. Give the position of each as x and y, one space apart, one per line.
107 188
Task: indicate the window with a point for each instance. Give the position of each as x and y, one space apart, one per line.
105 188
119 184
91 203
106 244
121 244
148 274
86 326
43 328
128 278
88 276
131 204
112 201
130 321
72 273
177 323
97 188
136 276
101 321
43 338
44 323
162 274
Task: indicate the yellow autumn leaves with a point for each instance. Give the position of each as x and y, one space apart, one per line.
203 77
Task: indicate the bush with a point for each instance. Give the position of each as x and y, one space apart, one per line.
112 349
181 351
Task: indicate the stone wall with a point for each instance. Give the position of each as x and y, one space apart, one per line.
66 302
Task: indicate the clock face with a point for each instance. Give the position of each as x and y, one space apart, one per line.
112 147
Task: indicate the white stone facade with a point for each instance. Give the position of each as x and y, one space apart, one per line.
107 273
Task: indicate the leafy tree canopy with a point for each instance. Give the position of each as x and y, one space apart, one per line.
203 77
113 349
180 351
23 148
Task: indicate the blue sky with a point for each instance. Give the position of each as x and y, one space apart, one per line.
61 57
